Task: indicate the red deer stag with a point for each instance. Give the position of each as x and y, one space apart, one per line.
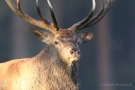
55 67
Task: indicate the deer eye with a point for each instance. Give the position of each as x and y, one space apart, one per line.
56 42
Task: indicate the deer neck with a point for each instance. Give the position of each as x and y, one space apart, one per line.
51 68
49 55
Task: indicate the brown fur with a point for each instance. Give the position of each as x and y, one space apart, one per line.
54 68
42 72
64 32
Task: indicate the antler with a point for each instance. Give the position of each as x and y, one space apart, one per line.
53 27
42 23
88 21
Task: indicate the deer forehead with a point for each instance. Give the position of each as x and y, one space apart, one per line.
66 39
65 32
65 35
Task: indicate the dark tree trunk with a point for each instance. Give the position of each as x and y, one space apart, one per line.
104 53
20 36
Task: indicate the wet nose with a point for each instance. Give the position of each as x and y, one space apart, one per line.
75 51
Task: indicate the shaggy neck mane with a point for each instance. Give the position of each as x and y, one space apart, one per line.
57 72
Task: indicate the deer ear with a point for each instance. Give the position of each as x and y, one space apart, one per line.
43 36
87 36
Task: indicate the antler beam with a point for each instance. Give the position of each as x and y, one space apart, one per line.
42 23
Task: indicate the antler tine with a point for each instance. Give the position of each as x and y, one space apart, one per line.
18 4
40 15
53 15
42 24
106 5
79 24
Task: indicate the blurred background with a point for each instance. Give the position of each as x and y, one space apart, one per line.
107 61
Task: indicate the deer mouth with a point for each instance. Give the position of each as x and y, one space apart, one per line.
73 58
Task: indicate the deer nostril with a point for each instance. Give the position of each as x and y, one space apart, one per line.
71 51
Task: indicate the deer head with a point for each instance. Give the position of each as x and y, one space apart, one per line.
63 40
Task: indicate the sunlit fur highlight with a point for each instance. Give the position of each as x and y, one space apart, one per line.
42 72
